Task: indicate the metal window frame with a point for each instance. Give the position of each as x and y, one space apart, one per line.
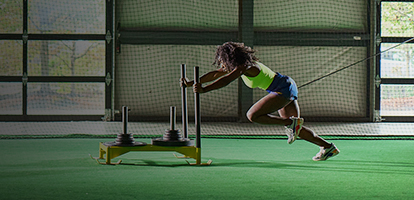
108 37
388 81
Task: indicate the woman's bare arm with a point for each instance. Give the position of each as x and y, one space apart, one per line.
208 77
222 82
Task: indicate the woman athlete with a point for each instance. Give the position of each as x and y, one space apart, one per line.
236 60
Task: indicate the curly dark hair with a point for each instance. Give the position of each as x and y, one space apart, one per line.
233 54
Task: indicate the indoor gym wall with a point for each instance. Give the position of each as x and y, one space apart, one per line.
147 72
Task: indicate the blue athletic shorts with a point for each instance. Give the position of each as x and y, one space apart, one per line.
284 86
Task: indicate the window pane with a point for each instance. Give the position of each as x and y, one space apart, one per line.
11 58
65 98
397 19
11 16
397 100
178 14
11 98
311 16
67 16
397 62
66 58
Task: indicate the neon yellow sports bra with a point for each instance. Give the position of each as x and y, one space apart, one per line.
262 80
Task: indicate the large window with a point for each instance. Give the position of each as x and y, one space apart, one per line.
56 59
396 72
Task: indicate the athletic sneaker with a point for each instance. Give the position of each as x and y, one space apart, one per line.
324 154
293 130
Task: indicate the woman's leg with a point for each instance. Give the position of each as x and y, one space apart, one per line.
260 111
292 109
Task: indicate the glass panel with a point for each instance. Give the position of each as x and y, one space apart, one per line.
397 19
65 98
67 16
66 58
311 16
11 99
11 58
397 62
397 100
179 14
11 16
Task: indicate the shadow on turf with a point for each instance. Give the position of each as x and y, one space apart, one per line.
152 163
375 167
355 166
224 163
391 164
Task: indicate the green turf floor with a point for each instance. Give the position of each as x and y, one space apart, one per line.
61 169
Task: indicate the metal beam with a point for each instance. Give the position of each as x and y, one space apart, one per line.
246 35
176 37
397 80
396 39
39 118
310 39
53 36
110 57
259 38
